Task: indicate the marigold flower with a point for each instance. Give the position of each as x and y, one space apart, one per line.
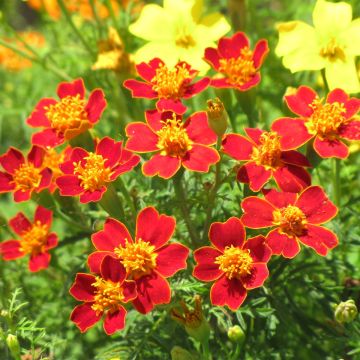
237 65
148 259
103 294
35 239
21 176
88 173
327 122
265 158
175 143
68 117
169 85
234 264
296 218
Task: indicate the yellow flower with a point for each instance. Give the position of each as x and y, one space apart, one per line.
178 31
331 44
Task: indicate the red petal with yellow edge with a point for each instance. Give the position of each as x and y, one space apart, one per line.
228 292
258 213
156 119
300 102
238 147
320 239
196 88
352 105
259 250
316 206
198 129
12 160
129 290
254 175
281 244
77 155
84 316
95 105
71 133
38 117
110 150
140 89
230 232
73 88
251 83
69 185
126 167
260 52
36 156
92 196
162 165
220 83
200 158
20 224
206 269
10 250
45 182
6 183
254 134
350 131
39 262
259 273
331 148
51 241
212 57
155 228
295 158
230 47
114 321
171 258
43 215
82 288
94 260
111 269
147 71
20 195
171 105
279 199
291 178
141 138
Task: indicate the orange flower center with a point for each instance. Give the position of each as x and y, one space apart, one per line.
332 52
326 118
26 177
138 258
52 160
170 84
66 114
94 174
108 296
239 70
268 153
290 219
235 262
33 241
173 138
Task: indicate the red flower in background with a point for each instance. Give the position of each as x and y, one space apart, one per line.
148 259
265 158
296 218
23 176
35 239
327 122
237 65
175 143
170 86
234 264
68 117
102 294
88 173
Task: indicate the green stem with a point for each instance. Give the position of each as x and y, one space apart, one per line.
206 350
336 181
112 204
326 85
237 351
127 196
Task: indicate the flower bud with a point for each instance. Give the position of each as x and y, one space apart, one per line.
179 353
346 311
235 333
217 116
13 345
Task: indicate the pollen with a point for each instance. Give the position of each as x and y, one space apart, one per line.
173 138
33 241
239 70
138 258
268 153
333 52
185 41
67 114
52 160
235 262
290 219
26 177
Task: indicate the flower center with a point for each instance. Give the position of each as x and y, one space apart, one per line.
33 241
326 118
268 153
52 160
66 114
138 258
173 138
170 84
185 41
290 219
108 296
332 52
26 177
235 262
94 174
239 70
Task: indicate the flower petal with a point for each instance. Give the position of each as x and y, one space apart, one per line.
327 148
82 288
141 138
254 134
171 105
259 250
114 321
51 241
280 199
73 88
260 52
197 127
20 195
38 117
300 102
164 166
230 47
350 131
129 290
36 156
84 316
258 213
12 160
282 244
140 89
6 183
291 178
111 269
295 158
10 250
259 273
94 260
110 150
200 158
39 262
43 215
343 75
254 175
171 258
95 105
47 138
238 147
69 185
206 269
196 87
212 57
20 224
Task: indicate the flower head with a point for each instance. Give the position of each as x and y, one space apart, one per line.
88 173
296 218
234 263
174 142
148 259
35 239
265 158
68 117
237 65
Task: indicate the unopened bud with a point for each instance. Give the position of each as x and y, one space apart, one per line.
346 311
179 353
217 116
13 345
235 333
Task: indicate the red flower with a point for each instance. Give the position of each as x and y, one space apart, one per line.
104 293
87 173
296 218
148 259
237 65
67 118
24 176
167 85
236 265
326 122
35 239
176 143
265 159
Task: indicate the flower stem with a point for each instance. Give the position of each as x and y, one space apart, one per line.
112 204
206 350
336 181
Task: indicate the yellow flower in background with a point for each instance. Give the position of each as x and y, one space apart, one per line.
178 31
331 44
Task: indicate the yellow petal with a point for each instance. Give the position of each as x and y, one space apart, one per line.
216 26
351 38
343 75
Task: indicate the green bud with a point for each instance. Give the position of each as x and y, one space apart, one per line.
179 353
235 333
13 345
217 116
346 311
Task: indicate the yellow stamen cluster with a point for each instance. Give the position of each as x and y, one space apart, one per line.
333 51
108 296
66 114
94 174
290 219
185 41
33 241
53 160
268 153
239 70
235 262
26 177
